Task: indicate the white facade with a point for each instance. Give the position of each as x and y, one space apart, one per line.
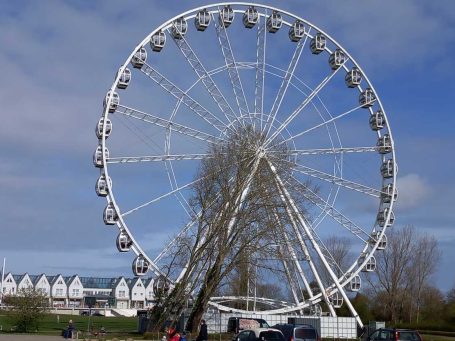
24 283
75 291
9 285
42 284
137 293
122 294
149 294
59 291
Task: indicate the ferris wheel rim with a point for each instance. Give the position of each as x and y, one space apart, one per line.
111 197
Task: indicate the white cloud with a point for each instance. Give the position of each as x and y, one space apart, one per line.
412 190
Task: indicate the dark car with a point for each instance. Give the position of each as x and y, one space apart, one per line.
393 334
298 332
260 334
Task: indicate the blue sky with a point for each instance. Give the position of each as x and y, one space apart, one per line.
58 58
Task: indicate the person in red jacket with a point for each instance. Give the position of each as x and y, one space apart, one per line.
172 335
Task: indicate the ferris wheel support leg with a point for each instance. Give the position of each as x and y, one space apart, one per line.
303 246
294 257
305 226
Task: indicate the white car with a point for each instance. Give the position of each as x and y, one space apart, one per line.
260 334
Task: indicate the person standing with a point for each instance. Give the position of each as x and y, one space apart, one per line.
203 335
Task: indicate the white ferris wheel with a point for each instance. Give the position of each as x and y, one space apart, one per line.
212 71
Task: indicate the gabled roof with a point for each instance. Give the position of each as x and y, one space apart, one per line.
9 274
18 278
147 282
115 281
132 282
38 278
55 278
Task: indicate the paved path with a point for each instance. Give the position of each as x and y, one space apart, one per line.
17 337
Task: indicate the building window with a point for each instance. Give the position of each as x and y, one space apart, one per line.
59 292
121 293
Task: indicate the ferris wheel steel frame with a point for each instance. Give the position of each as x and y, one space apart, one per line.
269 123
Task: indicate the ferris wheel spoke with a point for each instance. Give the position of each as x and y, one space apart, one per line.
323 124
322 151
186 99
261 41
155 158
302 106
327 208
286 80
206 79
161 122
233 72
336 180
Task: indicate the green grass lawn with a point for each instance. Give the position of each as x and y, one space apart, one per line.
50 325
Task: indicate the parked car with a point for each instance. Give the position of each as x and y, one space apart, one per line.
298 332
393 334
260 334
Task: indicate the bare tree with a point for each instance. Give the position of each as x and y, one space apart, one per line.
403 272
392 267
236 193
338 249
424 264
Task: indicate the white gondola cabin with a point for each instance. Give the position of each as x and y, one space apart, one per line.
98 156
139 58
377 120
124 79
124 242
370 265
382 217
355 283
337 59
100 126
226 16
318 43
274 22
384 144
160 286
353 77
202 20
297 31
337 300
115 101
388 194
382 244
101 187
110 216
157 41
316 310
388 169
367 98
250 17
140 266
179 28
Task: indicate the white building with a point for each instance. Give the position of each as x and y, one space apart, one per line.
137 290
59 290
121 292
75 291
41 283
24 282
9 285
149 294
83 292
